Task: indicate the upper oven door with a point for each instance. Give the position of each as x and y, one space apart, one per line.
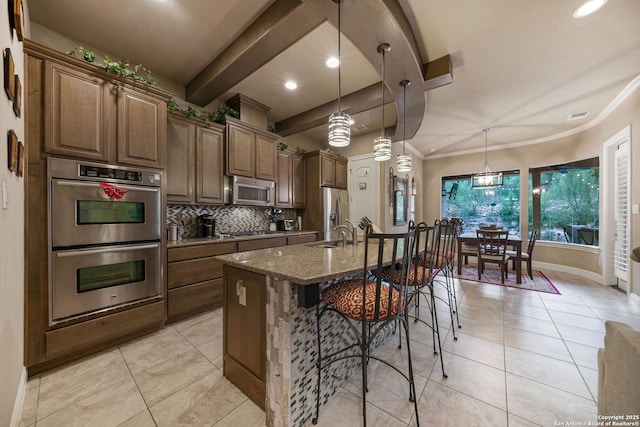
83 214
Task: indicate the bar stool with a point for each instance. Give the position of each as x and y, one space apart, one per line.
366 306
444 267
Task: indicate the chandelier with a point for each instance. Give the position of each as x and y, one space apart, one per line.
487 178
404 159
382 144
339 122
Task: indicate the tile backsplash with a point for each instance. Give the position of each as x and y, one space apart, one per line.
228 218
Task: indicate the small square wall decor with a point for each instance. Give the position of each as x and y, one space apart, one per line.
17 96
12 151
9 83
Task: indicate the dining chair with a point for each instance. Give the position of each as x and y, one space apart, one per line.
525 256
492 248
366 306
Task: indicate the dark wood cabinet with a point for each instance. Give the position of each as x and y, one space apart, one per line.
91 116
327 169
290 180
245 345
194 278
195 162
251 152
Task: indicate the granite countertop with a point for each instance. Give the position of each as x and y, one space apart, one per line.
305 263
219 239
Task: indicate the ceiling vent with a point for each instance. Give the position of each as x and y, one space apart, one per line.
578 116
360 127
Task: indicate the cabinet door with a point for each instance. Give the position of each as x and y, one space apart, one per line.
341 173
141 129
327 171
266 153
298 181
75 119
209 166
284 179
180 160
240 151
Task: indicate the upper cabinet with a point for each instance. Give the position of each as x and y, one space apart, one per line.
251 152
290 192
195 161
327 169
91 114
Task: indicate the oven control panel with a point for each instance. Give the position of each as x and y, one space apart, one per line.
105 172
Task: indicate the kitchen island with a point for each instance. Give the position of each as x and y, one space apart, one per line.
270 333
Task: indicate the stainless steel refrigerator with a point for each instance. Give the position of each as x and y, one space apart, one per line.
335 207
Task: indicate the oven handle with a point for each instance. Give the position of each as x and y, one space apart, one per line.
95 184
107 249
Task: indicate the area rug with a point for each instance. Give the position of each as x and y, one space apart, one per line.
540 282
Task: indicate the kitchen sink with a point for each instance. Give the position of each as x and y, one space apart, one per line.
328 244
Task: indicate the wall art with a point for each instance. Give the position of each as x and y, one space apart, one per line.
9 76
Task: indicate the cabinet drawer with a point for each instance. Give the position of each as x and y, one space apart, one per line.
194 297
251 245
192 271
304 238
191 252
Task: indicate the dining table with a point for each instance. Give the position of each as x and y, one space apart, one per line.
513 241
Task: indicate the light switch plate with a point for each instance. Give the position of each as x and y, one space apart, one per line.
5 196
634 208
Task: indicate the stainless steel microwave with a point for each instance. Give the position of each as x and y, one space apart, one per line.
240 190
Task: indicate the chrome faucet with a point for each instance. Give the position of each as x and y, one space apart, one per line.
343 235
354 232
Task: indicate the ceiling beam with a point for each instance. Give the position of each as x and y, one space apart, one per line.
370 22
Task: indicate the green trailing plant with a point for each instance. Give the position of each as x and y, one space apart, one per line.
138 73
300 150
282 146
271 129
216 116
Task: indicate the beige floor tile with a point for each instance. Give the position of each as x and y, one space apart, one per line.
520 422
442 406
80 380
537 343
477 349
583 355
489 313
164 379
30 403
475 379
546 370
212 350
345 409
422 357
630 319
143 419
529 324
106 408
516 296
153 349
388 390
480 329
591 378
202 403
247 414
546 405
581 335
528 311
562 318
200 329
577 309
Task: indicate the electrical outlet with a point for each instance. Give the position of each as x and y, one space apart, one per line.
634 208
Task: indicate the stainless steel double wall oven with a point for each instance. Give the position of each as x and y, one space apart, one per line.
104 237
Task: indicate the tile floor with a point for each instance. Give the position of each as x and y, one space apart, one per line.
522 359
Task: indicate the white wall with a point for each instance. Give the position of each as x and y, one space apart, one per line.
12 372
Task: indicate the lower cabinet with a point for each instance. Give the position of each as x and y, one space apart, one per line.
245 342
194 278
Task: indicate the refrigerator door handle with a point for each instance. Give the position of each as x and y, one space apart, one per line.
339 210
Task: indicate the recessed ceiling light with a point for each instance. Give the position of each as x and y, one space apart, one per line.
588 8
291 85
332 62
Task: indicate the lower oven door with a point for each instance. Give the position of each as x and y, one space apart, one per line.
89 280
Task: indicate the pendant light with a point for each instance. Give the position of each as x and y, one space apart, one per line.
487 178
339 122
382 144
404 159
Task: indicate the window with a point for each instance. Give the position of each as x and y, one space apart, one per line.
564 201
500 206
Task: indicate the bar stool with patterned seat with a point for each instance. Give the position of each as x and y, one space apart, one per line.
368 306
